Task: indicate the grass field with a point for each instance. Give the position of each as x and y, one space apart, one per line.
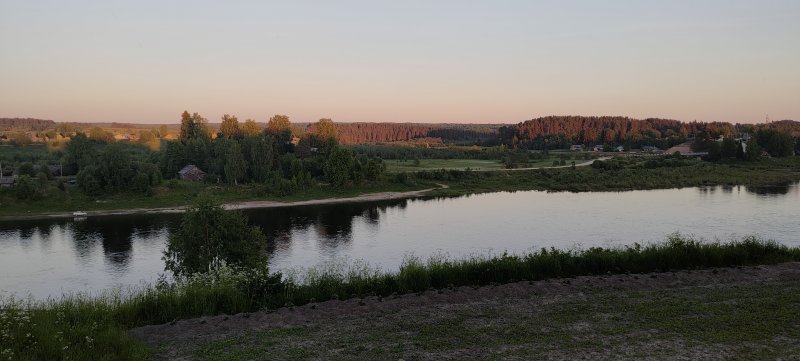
395 166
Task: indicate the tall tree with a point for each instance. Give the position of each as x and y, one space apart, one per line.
339 166
325 130
250 128
278 123
235 165
230 126
79 153
259 155
193 126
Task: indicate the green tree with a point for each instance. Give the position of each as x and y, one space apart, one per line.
25 188
210 236
193 126
26 169
79 152
235 165
728 148
753 151
229 127
259 155
338 166
775 142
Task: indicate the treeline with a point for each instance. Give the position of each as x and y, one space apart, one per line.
360 133
240 153
555 132
764 141
32 123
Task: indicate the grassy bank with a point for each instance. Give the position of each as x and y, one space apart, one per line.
181 193
81 327
623 174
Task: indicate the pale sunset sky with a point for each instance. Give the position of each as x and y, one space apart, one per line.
399 61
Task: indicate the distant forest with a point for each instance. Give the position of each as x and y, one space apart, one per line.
551 132
34 124
555 132
360 133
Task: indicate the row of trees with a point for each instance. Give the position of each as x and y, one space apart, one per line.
243 153
773 142
560 131
361 133
239 153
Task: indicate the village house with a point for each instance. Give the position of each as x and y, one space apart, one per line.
597 148
55 170
577 147
191 173
7 182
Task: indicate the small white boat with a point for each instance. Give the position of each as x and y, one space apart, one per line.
79 214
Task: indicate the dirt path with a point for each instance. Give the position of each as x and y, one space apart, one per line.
614 317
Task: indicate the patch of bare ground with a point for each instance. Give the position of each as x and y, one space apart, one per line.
739 313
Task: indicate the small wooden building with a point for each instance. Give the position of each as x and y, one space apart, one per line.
192 173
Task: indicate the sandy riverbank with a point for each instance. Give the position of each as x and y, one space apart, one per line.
370 197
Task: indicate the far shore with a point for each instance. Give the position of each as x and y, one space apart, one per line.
369 197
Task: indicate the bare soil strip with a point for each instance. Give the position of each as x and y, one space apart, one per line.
749 312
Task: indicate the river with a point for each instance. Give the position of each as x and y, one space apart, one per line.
41 258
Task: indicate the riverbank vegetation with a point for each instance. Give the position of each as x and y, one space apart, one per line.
83 326
617 174
247 161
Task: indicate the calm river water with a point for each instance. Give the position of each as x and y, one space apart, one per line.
50 257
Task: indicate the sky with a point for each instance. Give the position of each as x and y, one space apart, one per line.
498 61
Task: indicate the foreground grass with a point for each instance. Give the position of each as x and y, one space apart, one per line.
85 327
731 321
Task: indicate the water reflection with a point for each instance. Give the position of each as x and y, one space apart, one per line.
778 190
99 252
332 225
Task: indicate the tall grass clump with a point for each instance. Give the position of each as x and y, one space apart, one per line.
676 253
